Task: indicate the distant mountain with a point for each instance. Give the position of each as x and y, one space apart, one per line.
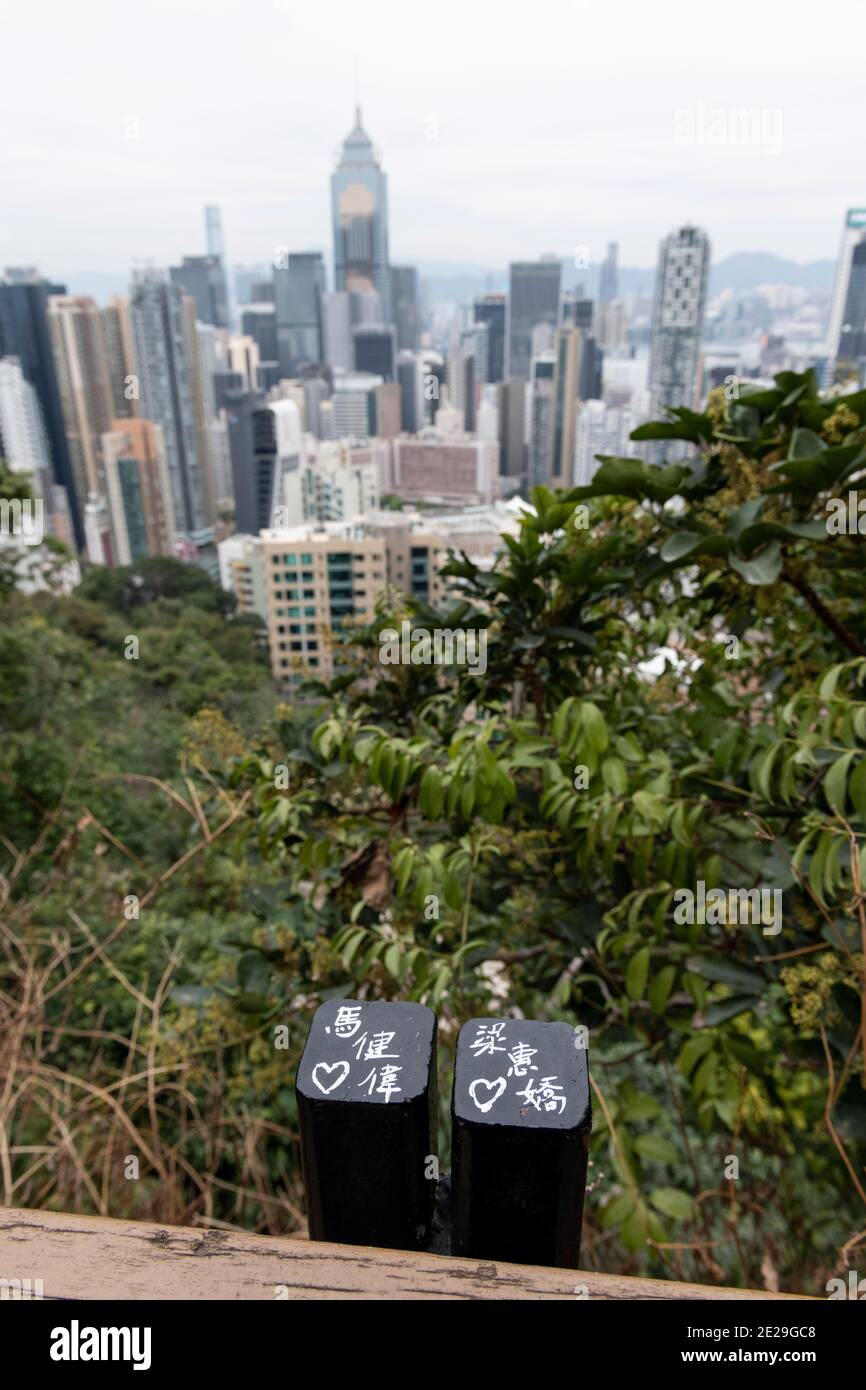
459 282
743 271
746 269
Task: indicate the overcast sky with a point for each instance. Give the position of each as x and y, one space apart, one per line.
506 129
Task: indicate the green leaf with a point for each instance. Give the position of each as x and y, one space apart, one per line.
763 569
654 1147
693 1051
835 781
617 1210
724 1009
636 974
672 1202
632 1232
661 987
635 1104
614 776
746 979
431 793
857 787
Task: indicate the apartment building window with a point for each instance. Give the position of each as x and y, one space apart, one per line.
294 612
306 559
307 577
309 612
309 593
297 646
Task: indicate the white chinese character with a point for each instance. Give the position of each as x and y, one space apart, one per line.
520 1057
488 1043
348 1020
378 1043
386 1085
544 1094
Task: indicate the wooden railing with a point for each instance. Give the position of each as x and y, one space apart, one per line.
94 1257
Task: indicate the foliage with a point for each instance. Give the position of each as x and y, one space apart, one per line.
673 702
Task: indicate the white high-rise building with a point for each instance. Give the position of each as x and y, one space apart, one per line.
488 414
354 404
23 441
678 323
601 429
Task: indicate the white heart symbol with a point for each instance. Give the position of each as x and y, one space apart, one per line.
497 1087
342 1069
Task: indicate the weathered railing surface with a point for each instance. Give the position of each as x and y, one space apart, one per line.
95 1257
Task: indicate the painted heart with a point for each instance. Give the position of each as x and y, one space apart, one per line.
328 1069
497 1087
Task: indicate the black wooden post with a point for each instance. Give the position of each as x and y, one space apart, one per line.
366 1093
521 1117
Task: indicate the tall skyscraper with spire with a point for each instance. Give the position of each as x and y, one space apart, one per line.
359 203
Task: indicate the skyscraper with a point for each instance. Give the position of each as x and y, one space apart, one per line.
298 290
374 350
568 352
138 490
608 285
533 299
216 246
24 334
846 336
77 341
117 333
678 322
160 328
577 310
359 204
203 278
265 442
404 305
512 412
410 375
259 321
490 309
337 330
23 442
542 420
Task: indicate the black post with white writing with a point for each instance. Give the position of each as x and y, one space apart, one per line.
366 1093
521 1117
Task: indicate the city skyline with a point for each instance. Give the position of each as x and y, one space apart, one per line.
617 148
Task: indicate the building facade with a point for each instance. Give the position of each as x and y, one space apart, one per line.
533 299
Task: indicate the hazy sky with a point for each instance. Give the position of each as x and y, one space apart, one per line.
506 129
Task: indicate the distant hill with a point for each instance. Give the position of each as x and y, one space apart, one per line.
746 269
460 281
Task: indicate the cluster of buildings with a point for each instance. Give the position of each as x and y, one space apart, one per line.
310 442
